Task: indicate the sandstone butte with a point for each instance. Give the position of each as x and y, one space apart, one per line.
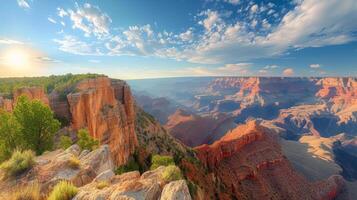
249 164
104 106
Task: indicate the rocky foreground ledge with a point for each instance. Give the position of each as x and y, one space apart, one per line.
95 168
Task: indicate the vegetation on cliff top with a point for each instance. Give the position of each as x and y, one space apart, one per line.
62 84
31 126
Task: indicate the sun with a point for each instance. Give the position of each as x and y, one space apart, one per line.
17 58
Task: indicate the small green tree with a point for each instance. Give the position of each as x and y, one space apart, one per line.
85 141
37 123
65 142
10 136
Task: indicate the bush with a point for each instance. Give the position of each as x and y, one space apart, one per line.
85 141
102 184
64 190
30 192
37 123
172 173
19 162
132 165
10 135
158 160
74 162
65 142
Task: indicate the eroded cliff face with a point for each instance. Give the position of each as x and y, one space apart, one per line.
249 164
30 92
106 108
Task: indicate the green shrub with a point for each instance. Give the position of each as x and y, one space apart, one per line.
37 123
64 190
102 184
10 135
132 165
172 173
65 142
30 192
85 141
158 160
74 162
19 162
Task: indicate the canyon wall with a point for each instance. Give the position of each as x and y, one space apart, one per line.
106 108
249 164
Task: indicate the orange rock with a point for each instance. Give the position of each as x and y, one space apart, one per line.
106 108
248 164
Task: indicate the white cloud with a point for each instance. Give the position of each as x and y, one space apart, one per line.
51 20
23 4
186 36
288 72
217 40
61 12
89 19
71 44
315 66
211 20
254 9
234 2
271 67
9 41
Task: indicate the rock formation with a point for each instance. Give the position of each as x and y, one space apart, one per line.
30 92
150 186
194 130
249 164
106 108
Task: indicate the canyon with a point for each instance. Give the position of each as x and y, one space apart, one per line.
239 128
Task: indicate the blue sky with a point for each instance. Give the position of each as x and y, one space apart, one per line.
133 39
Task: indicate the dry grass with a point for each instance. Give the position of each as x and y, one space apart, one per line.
30 192
19 162
74 163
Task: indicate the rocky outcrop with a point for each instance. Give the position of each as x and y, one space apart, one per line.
248 164
106 108
149 186
52 167
194 130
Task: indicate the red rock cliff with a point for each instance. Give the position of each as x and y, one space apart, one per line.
249 164
106 108
31 92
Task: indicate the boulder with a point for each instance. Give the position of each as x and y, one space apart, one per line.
176 190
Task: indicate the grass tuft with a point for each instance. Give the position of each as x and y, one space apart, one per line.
64 190
19 162
74 162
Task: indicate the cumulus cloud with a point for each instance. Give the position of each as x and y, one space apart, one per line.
315 66
288 72
218 39
89 19
23 4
